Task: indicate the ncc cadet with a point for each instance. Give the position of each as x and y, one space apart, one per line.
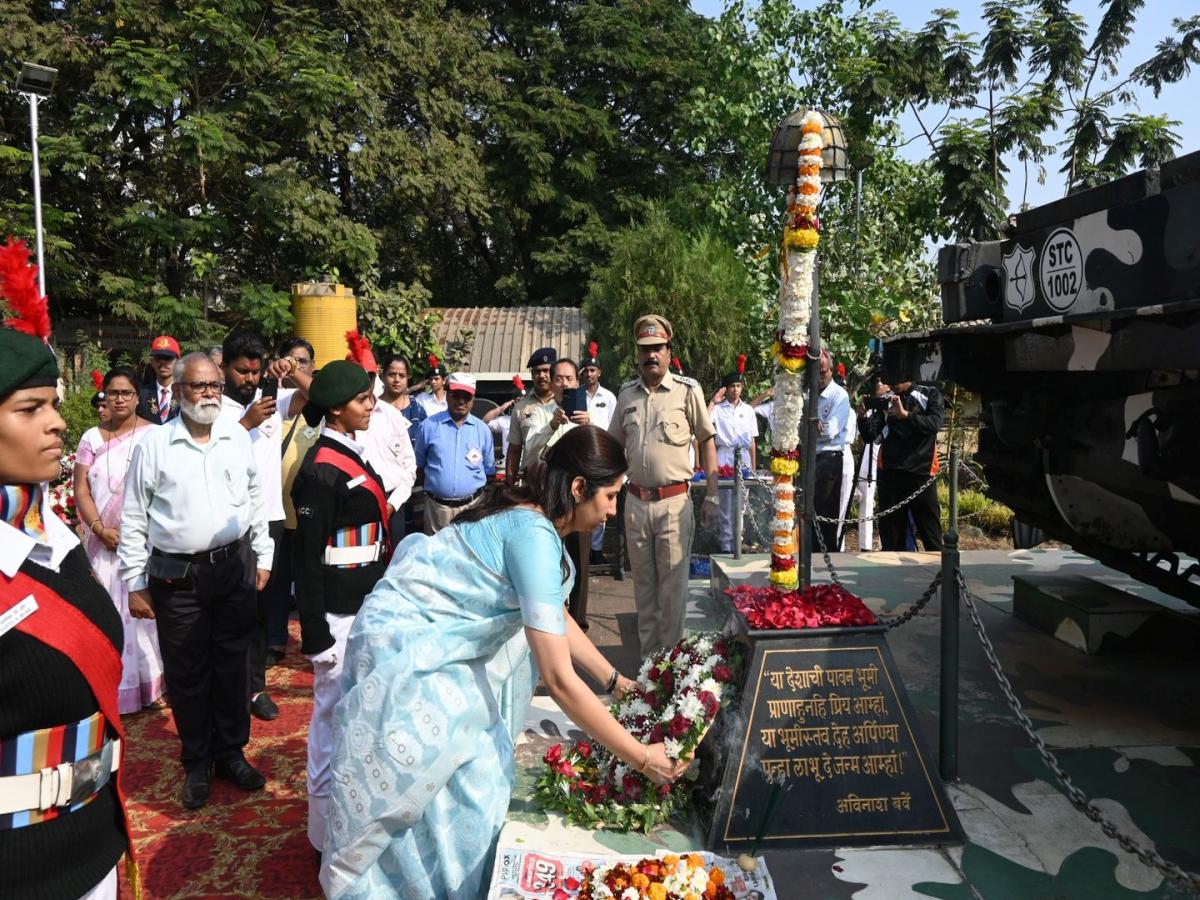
340 551
156 401
656 418
736 426
60 642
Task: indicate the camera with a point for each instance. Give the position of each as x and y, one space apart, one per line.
874 377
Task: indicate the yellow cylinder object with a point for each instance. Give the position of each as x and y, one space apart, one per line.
324 313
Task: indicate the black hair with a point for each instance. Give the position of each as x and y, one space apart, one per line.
291 344
564 361
241 345
390 357
120 372
584 451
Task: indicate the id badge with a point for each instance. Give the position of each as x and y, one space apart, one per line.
474 456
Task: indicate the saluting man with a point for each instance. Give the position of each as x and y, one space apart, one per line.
736 426
340 551
656 418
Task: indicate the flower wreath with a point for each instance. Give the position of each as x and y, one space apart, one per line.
678 695
670 877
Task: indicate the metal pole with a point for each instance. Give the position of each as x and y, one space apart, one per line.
948 712
812 372
37 192
737 502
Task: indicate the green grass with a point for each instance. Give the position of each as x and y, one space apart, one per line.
975 508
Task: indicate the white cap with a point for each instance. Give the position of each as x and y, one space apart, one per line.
461 381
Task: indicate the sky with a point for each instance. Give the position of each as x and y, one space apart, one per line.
1153 23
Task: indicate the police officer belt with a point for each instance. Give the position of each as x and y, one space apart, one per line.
454 503
658 493
66 784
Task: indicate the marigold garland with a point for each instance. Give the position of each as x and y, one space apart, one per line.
801 234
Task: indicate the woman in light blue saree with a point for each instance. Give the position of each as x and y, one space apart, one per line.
438 678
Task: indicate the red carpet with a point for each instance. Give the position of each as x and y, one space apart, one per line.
241 844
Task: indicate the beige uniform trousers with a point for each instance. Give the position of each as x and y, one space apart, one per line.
659 537
438 516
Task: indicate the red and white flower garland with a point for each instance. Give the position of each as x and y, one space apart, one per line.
800 239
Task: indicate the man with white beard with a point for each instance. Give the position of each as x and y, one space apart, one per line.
194 549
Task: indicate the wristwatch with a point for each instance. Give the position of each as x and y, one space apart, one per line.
713 499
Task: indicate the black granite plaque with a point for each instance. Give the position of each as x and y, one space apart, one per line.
824 721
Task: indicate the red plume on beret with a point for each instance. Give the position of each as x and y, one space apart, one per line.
841 369
433 361
741 363
518 383
677 364
593 348
98 379
18 284
360 351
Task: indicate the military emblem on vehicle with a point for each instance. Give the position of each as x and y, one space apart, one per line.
1018 280
1061 265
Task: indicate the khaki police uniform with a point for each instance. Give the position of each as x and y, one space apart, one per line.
529 428
656 428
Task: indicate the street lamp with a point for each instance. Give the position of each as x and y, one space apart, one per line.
36 82
783 160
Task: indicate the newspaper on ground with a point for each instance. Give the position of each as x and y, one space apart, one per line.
527 874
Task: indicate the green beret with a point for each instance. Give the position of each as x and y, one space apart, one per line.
25 362
336 384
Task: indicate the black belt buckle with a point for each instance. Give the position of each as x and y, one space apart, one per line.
91 774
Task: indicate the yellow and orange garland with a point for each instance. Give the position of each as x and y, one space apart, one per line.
801 234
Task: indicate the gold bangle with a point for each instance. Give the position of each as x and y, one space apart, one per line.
646 761
96 522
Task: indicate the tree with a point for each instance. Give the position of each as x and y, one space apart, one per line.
695 280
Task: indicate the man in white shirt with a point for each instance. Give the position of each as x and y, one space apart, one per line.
737 426
194 548
833 411
262 415
600 405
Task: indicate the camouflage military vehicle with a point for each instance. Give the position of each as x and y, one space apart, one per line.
1080 331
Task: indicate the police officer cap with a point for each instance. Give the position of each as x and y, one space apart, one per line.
651 330
544 357
336 384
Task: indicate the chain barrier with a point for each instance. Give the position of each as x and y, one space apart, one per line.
1150 857
832 520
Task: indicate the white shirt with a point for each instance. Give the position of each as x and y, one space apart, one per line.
600 406
267 439
389 450
500 425
833 407
431 403
736 426
16 546
184 497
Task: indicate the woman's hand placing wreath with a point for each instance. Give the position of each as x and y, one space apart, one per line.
624 686
661 769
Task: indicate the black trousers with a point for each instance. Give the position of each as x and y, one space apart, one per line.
894 486
827 491
256 660
578 547
204 622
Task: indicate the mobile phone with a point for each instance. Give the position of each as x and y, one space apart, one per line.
574 401
269 386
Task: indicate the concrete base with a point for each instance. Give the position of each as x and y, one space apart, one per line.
1079 611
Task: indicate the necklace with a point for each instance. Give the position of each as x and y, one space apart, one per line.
110 449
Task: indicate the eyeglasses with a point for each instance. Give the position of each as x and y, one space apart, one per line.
120 395
302 362
204 387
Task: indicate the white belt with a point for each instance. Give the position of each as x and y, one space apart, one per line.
63 785
350 556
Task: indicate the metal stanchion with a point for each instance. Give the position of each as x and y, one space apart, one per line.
738 483
948 712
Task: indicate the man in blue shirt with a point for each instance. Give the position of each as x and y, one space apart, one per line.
455 456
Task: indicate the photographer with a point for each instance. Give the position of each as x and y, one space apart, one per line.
907 418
